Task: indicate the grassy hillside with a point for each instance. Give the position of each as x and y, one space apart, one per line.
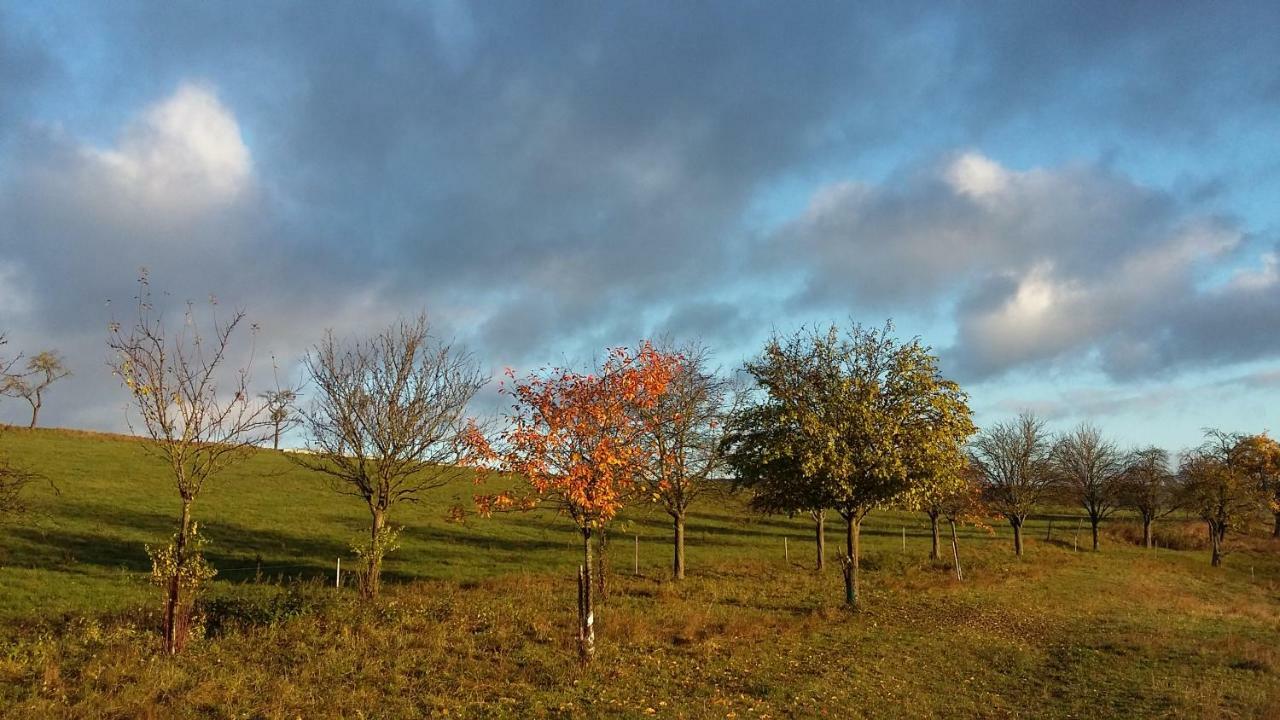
478 618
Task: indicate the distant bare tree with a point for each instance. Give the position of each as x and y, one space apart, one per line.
1013 459
42 370
1089 468
684 433
1148 487
282 412
197 418
387 423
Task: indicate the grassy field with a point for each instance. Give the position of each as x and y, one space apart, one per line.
478 617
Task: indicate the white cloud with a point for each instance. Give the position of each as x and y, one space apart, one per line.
183 154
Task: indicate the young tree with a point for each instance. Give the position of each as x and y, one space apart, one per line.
683 438
1089 468
758 451
1013 459
388 423
197 418
575 438
860 403
42 370
940 470
1148 488
1259 457
1215 486
282 412
963 504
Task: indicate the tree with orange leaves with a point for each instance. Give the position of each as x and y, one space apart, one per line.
575 439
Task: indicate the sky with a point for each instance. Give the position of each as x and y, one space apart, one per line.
1073 203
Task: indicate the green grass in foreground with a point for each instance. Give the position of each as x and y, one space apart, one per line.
478 618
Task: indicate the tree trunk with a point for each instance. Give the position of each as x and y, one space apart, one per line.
853 527
1146 532
1016 522
35 412
586 608
677 567
820 535
955 550
1093 521
602 565
933 527
1275 531
275 438
174 627
373 561
1216 536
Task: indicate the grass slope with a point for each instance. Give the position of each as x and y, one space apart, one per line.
479 618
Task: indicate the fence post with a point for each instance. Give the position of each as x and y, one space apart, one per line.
786 551
904 539
637 571
337 576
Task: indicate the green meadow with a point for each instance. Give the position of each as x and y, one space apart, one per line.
478 616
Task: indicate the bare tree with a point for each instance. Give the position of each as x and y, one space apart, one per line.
1148 487
1089 468
1013 459
197 417
42 370
282 412
684 434
387 423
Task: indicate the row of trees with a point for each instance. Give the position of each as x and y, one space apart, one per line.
844 420
1225 481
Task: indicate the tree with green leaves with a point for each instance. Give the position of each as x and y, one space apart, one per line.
861 403
1013 459
1148 487
1089 468
758 451
42 370
941 472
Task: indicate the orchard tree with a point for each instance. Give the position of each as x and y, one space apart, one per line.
1089 468
42 370
683 434
1215 485
861 402
939 468
962 503
197 418
388 423
1148 487
1013 460
576 439
1258 456
758 450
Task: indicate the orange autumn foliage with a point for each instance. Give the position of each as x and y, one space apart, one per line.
575 437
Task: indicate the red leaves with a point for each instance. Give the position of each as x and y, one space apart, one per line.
573 436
